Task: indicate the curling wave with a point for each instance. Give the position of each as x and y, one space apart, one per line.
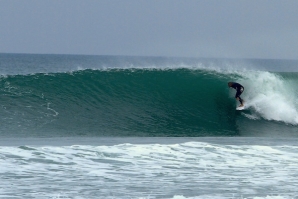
148 102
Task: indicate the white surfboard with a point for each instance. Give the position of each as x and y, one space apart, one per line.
240 108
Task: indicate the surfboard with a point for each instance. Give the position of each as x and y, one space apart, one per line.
240 108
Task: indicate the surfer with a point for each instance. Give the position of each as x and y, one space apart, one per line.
239 88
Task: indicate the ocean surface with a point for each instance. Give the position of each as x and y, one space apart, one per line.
78 126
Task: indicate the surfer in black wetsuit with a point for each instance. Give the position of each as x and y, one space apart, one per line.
239 88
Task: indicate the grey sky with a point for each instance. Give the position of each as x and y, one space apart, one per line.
187 28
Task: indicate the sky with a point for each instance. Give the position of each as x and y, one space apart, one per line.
174 28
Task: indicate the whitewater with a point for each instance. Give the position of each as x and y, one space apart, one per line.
75 126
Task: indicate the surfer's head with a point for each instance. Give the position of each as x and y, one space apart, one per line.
230 84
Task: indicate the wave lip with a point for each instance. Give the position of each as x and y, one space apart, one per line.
271 97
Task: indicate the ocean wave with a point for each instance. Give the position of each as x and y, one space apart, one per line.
148 102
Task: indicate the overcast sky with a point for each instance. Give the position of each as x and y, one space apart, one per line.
184 28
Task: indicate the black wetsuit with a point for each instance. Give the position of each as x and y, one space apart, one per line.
239 88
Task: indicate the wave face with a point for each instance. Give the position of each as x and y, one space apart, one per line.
148 102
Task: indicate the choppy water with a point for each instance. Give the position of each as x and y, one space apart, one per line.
155 168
